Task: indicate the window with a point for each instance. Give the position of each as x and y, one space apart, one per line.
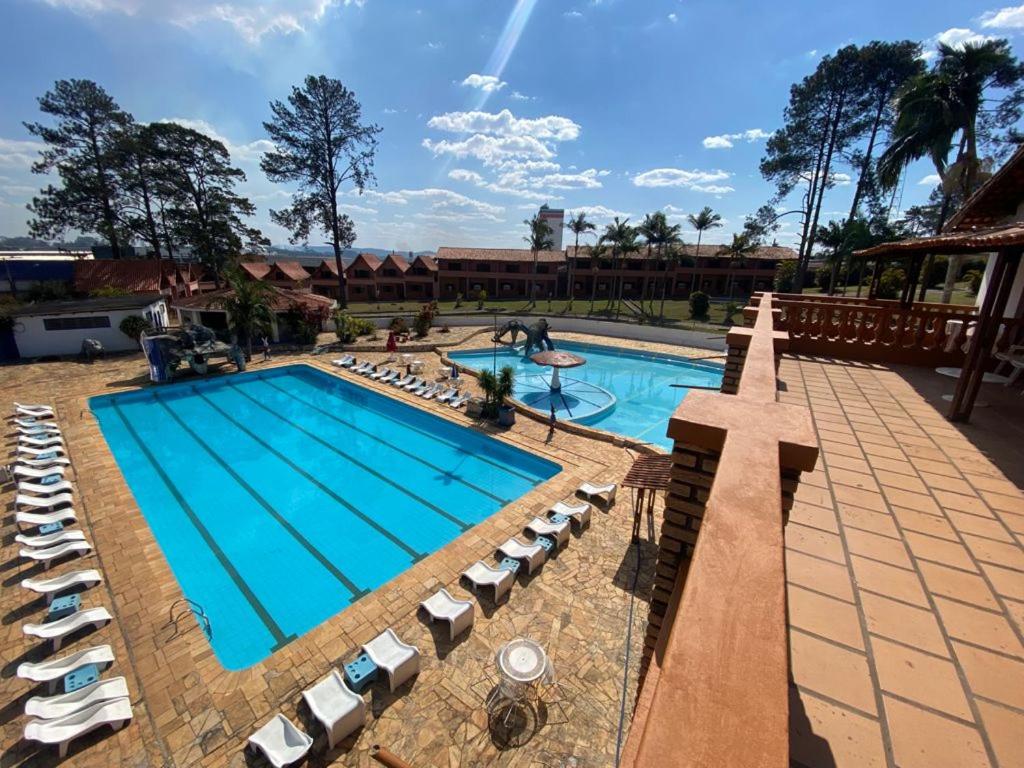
364 273
542 269
633 264
75 323
483 267
455 266
390 273
582 263
512 268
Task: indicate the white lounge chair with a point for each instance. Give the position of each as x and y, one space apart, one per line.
50 555
338 708
558 531
45 489
402 380
280 741
40 453
36 472
86 578
578 512
43 428
50 707
389 376
56 631
1014 357
41 502
66 515
413 385
368 370
37 411
590 490
52 671
479 574
400 660
381 373
441 606
364 367
344 362
447 395
461 400
432 391
51 442
533 555
31 421
27 463
64 730
50 539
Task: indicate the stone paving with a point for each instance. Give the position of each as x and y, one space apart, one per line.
189 711
905 577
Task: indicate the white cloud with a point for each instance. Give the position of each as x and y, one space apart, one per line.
461 174
485 83
673 18
521 96
490 150
930 180
587 179
841 179
725 140
389 198
357 208
1004 18
573 15
701 181
713 189
955 37
444 201
601 212
529 166
390 111
434 45
504 123
252 20
17 153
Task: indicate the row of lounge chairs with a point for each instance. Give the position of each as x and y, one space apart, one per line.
417 385
38 469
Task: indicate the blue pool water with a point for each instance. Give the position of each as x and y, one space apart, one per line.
640 399
281 497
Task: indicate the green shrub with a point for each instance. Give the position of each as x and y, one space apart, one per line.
891 283
731 309
937 272
481 297
133 325
785 277
348 328
823 277
699 305
398 326
973 278
304 323
424 320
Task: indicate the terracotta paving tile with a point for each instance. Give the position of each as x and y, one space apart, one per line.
886 579
996 552
830 433
820 734
820 575
1005 581
939 551
856 479
823 518
832 447
946 483
993 676
847 462
979 627
993 484
916 627
883 451
1004 503
892 465
1012 521
919 501
809 494
937 467
825 616
877 522
811 541
860 498
901 481
1004 728
919 677
921 739
922 522
877 547
979 526
962 503
837 673
1015 611
951 582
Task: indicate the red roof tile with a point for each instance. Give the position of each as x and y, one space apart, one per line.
498 254
257 270
280 299
367 260
396 261
427 262
292 270
134 276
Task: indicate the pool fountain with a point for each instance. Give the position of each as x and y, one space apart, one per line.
566 398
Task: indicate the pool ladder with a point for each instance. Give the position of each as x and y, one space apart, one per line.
196 609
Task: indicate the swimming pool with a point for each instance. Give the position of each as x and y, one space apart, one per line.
642 397
281 497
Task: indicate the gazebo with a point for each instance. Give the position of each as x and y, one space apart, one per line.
990 222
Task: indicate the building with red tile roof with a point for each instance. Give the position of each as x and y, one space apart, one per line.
208 309
134 276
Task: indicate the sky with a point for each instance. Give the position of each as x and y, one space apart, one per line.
489 108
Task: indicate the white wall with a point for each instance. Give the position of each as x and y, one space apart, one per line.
1016 290
35 341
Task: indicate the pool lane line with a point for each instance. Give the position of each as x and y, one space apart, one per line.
455 446
416 556
280 638
296 534
382 441
366 468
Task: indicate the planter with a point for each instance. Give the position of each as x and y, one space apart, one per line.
506 415
475 408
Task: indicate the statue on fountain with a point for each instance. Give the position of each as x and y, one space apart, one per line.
536 335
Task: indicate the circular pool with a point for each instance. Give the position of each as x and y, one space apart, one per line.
577 400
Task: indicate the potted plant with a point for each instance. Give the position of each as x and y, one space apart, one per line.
496 389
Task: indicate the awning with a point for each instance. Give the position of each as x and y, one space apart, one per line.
978 241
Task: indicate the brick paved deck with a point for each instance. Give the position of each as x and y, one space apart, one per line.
905 572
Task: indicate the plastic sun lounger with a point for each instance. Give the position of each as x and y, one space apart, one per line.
35 453
578 512
336 706
413 385
590 490
400 660
41 502
50 441
64 730
56 631
280 741
388 377
541 527
66 515
368 370
86 578
51 707
37 411
533 555
458 402
381 373
44 489
50 539
37 473
43 428
32 422
431 392
362 367
50 463
52 671
51 554
401 382
441 606
447 395
344 362
479 574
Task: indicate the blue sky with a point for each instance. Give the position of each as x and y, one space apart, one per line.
489 107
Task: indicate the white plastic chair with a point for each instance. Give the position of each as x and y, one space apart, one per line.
590 490
37 411
400 660
541 527
50 539
87 579
280 741
479 574
56 631
23 470
50 707
50 555
441 606
336 706
63 730
533 555
579 512
41 502
66 515
52 671
42 489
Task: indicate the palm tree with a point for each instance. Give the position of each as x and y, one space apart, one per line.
596 254
651 229
669 240
627 245
539 239
247 304
703 221
615 235
737 251
938 111
578 225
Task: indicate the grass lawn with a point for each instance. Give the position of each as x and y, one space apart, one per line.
961 294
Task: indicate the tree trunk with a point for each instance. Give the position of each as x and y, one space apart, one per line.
954 261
